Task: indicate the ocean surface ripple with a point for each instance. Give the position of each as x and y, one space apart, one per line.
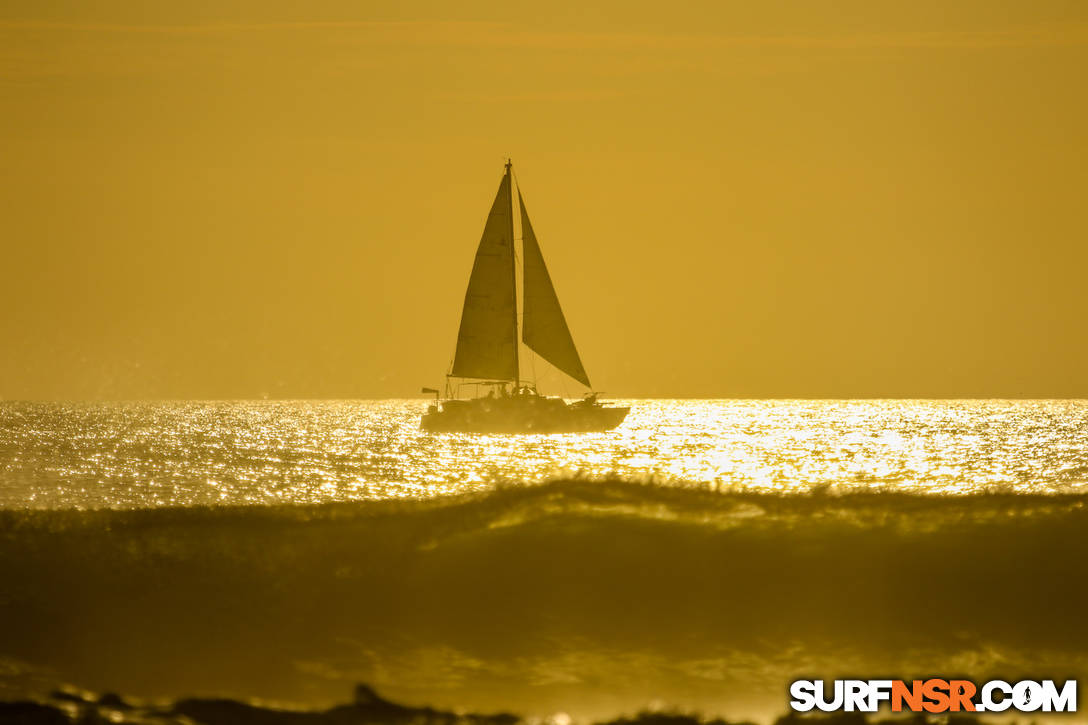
153 454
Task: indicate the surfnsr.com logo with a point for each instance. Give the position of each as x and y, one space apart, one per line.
934 695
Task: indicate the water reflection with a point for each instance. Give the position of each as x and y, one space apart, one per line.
188 453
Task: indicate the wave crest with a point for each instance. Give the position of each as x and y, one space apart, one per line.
573 586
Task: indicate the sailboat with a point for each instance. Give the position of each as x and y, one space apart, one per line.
488 340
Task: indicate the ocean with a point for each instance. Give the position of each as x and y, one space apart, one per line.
701 556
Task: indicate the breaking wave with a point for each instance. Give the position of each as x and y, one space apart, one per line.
591 596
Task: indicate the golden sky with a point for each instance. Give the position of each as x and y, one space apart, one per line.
783 199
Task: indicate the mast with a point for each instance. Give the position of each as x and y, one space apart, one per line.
514 279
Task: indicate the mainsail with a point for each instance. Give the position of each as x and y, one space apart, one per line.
544 328
487 342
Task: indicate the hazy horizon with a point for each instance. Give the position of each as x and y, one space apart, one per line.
237 200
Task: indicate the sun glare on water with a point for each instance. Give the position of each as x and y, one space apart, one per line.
268 452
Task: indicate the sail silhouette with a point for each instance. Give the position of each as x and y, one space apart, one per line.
544 328
487 341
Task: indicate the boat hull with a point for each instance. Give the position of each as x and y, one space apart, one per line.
514 415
